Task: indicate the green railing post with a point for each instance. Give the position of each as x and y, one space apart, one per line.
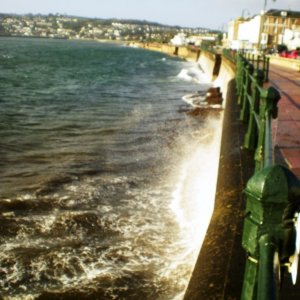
273 197
268 107
273 192
251 134
266 68
257 61
268 269
244 115
240 77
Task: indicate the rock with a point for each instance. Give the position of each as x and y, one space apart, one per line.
214 96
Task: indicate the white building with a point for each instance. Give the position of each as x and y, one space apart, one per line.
265 30
249 33
291 38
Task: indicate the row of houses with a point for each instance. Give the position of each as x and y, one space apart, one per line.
62 26
264 31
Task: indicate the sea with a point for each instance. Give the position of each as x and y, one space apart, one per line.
107 182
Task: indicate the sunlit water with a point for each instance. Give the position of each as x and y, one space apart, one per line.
107 185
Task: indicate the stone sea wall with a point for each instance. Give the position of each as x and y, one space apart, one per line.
220 70
226 75
218 273
189 53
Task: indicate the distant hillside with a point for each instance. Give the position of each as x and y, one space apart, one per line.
107 21
74 27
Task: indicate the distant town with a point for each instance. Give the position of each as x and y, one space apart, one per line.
270 31
70 27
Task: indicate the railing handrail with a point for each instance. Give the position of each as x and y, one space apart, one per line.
268 153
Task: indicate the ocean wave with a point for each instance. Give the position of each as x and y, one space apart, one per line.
193 73
196 99
90 171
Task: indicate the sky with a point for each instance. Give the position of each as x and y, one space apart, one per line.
213 14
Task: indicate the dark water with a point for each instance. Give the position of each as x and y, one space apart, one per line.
97 162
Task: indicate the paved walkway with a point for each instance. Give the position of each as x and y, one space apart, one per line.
286 128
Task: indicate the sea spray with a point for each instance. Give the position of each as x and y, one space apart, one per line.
194 194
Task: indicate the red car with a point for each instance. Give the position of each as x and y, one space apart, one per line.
290 54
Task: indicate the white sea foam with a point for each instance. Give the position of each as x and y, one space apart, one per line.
146 241
193 73
195 100
7 56
193 196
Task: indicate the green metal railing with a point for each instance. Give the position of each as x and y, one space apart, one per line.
258 107
272 193
230 54
208 48
260 62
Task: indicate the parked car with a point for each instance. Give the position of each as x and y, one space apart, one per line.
294 54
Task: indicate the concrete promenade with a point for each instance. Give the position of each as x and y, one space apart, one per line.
286 128
286 139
